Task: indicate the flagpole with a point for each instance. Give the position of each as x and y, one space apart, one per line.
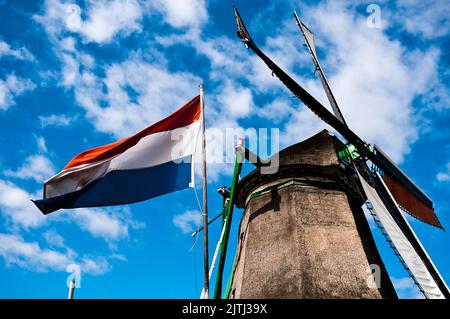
205 203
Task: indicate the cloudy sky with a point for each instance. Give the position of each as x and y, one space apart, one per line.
78 74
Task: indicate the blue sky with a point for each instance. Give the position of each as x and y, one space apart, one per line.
74 75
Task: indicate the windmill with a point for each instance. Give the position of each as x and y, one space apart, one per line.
387 190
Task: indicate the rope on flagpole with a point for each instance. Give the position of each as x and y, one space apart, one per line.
195 263
193 245
198 201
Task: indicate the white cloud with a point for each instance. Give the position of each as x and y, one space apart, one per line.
42 146
15 250
20 53
158 93
100 223
277 110
56 13
53 238
445 175
303 124
56 120
11 87
188 221
236 100
186 13
71 70
95 265
110 224
130 96
422 17
225 55
29 255
104 19
37 167
406 288
16 206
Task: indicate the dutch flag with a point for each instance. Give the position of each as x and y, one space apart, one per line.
156 161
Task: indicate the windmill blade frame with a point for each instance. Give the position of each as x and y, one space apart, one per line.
410 197
406 193
315 106
402 239
309 39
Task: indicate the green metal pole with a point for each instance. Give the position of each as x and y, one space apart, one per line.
230 279
228 217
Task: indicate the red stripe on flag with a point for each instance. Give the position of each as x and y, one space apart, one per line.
187 114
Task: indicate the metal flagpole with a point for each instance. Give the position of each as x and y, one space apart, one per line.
205 202
71 289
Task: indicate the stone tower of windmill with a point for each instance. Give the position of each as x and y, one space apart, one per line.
303 233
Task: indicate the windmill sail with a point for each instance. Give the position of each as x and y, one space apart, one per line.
309 39
322 112
394 209
410 197
406 193
314 105
413 257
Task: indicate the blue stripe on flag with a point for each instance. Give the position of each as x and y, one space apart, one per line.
125 187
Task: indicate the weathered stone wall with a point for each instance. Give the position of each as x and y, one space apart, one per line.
304 241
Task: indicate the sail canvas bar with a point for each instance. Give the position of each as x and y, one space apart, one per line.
309 39
403 224
406 251
153 162
406 193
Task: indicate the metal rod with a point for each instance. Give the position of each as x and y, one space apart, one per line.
255 159
201 228
71 289
205 202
